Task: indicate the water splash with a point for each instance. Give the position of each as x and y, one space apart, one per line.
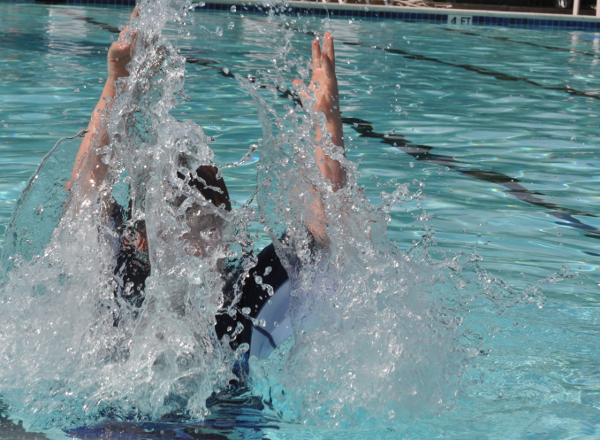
380 335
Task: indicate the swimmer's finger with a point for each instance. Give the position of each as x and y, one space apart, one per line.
328 65
328 47
297 83
123 34
303 95
119 48
316 53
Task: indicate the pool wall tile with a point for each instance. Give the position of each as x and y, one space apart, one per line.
434 16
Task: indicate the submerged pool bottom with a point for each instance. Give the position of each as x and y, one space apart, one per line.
487 127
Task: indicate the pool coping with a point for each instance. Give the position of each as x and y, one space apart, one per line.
449 16
468 17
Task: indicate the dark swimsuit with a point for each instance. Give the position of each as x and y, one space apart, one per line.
133 268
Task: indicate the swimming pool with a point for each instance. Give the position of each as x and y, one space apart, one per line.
499 124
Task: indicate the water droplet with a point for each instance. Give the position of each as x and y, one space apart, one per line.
366 9
229 328
219 31
275 324
64 113
100 80
559 234
202 4
231 25
398 108
398 86
246 310
225 70
268 270
349 21
262 323
112 38
531 70
370 88
574 138
76 91
85 87
233 8
411 164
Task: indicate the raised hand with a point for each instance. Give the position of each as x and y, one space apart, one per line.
324 81
119 53
325 87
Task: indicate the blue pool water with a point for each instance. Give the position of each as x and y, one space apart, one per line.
500 125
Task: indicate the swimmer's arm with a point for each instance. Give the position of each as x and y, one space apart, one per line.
325 87
328 101
89 167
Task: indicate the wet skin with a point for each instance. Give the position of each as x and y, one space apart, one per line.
89 170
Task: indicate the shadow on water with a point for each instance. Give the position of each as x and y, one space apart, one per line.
526 43
482 71
12 431
423 153
235 416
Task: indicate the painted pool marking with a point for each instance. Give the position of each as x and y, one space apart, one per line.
460 20
422 152
481 70
506 39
